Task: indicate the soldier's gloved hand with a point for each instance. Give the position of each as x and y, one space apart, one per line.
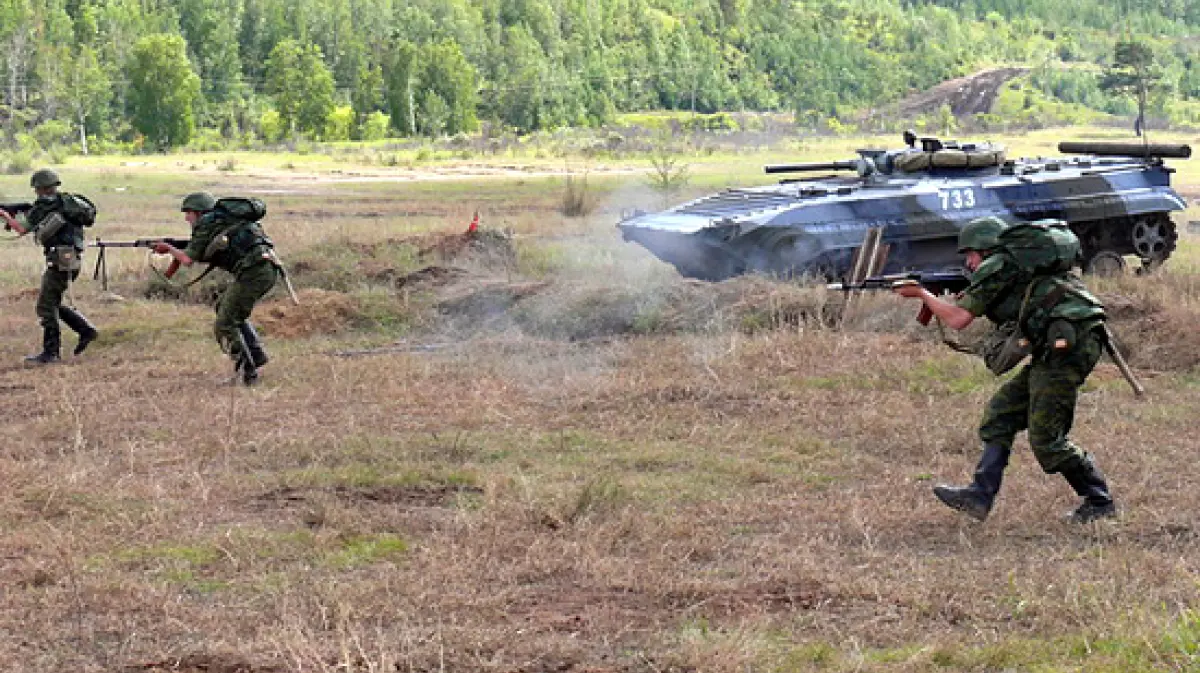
161 247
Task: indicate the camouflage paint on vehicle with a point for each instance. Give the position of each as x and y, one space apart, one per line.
1118 205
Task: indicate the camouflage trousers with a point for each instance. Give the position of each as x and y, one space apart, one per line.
55 284
235 305
1041 399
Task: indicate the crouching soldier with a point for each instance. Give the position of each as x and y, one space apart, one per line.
1021 281
57 220
226 233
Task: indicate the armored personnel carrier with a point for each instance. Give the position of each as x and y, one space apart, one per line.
1117 198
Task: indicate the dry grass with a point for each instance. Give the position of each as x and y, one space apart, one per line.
618 471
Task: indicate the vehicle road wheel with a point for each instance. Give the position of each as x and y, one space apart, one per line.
1154 240
1106 264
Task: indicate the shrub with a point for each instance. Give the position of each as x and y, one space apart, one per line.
375 126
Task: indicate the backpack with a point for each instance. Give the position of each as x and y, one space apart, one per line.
1047 250
246 209
1044 247
79 210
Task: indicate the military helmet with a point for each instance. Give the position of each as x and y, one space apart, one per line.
44 178
199 202
981 234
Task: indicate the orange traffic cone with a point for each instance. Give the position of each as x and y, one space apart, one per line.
474 226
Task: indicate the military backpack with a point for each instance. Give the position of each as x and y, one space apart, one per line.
1056 300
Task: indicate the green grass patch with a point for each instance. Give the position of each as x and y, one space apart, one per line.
363 550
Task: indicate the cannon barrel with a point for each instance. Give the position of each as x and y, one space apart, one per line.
1141 150
847 165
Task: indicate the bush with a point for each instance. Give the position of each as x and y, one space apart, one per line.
53 133
375 126
271 126
577 200
339 123
19 162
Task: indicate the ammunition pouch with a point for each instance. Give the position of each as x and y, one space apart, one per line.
1061 337
49 227
1005 348
64 258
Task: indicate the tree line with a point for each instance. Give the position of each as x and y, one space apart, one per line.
159 73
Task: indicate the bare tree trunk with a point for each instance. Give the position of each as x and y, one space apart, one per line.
83 133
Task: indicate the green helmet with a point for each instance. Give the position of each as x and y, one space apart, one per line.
200 202
44 178
981 234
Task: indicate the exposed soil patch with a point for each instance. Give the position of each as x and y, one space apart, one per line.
204 663
319 312
966 96
416 495
430 276
751 599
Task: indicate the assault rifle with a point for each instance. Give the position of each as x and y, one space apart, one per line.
15 209
101 271
937 282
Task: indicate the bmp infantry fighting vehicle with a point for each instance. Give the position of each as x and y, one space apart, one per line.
1116 196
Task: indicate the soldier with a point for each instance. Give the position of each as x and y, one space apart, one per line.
236 244
1066 342
57 220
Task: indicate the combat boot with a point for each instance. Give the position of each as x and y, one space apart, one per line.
254 344
244 367
51 345
976 499
1088 482
77 322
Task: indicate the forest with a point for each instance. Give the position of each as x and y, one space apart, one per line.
151 75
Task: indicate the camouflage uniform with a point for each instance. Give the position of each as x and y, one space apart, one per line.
242 249
64 252
1041 398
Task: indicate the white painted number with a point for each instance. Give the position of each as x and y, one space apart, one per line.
958 198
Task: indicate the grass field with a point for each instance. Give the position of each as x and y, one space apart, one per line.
554 455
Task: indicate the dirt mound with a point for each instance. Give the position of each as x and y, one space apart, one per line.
492 248
966 96
319 312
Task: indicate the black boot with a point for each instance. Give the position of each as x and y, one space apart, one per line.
77 322
244 367
976 500
254 344
1088 482
51 346
243 363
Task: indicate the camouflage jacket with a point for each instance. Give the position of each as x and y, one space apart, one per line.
228 244
1000 287
69 234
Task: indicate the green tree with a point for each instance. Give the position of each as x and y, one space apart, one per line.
302 86
1134 72
398 84
445 93
88 92
163 90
